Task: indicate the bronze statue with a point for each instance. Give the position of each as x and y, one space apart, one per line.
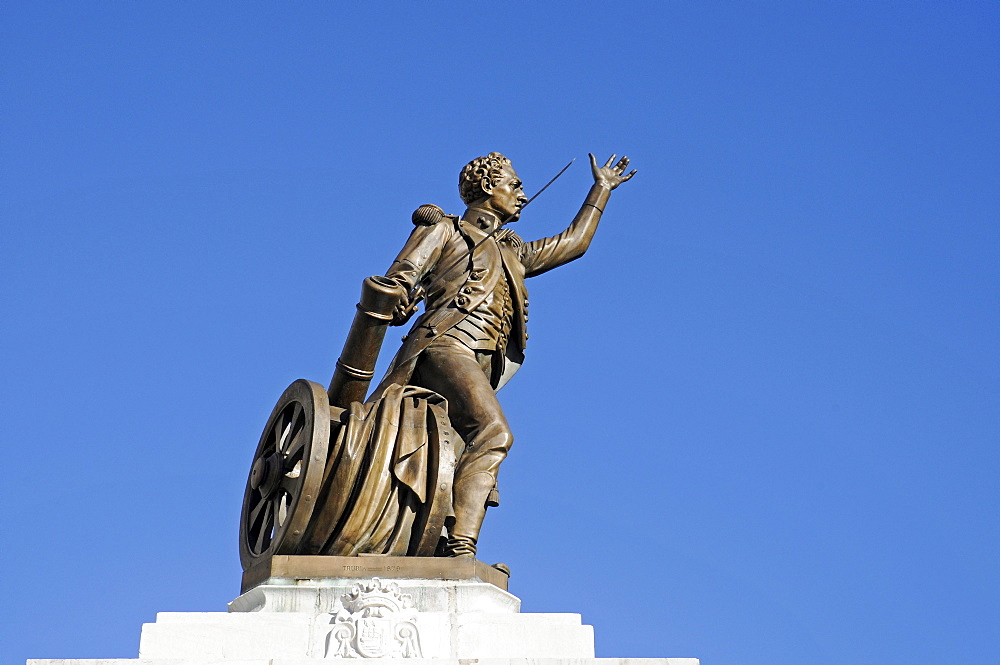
412 469
472 336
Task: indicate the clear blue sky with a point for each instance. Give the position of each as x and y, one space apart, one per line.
758 423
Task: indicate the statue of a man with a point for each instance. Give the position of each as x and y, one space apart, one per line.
471 338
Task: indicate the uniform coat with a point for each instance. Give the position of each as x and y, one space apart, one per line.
470 278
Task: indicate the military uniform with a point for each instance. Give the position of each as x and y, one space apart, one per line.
471 338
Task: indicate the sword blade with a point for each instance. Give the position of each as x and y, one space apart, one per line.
547 184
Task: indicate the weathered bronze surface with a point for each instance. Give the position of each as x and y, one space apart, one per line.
387 567
356 366
411 470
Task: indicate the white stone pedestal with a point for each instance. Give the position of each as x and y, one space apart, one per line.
288 621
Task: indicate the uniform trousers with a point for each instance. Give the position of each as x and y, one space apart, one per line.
463 376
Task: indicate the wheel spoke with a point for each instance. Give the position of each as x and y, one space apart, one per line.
293 425
277 428
264 534
256 512
296 444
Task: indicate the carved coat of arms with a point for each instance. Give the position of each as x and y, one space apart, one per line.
377 621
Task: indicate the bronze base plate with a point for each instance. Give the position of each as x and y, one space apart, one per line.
386 567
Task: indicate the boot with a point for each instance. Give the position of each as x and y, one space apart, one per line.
470 499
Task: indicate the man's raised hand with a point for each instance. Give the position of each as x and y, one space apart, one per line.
610 176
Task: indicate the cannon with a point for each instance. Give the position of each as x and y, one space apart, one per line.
335 474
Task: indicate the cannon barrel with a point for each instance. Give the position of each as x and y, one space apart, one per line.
356 365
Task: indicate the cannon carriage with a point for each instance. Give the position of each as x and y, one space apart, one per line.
334 474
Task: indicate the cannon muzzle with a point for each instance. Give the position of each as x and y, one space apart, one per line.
356 366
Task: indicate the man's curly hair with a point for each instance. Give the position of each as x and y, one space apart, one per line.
487 168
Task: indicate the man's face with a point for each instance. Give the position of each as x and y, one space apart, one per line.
507 196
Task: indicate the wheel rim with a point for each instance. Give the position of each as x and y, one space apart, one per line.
285 474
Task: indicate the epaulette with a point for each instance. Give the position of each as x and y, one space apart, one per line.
430 214
509 237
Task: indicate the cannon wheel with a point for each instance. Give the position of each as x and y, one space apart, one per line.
286 473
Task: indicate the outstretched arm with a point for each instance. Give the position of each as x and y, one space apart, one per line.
543 255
